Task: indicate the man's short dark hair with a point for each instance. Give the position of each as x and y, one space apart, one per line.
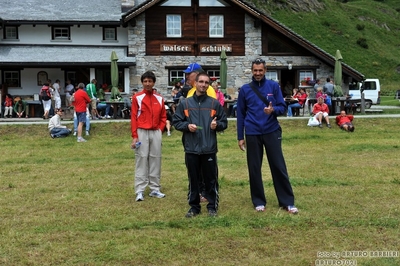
148 74
202 74
328 80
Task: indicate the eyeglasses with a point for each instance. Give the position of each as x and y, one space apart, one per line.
258 61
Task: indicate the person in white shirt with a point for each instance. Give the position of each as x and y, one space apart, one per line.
57 130
69 90
56 94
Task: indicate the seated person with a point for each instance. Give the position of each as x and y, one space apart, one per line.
21 107
105 108
298 101
320 93
344 121
8 106
320 110
87 123
56 130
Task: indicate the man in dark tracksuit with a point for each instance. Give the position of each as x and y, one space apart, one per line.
257 118
199 118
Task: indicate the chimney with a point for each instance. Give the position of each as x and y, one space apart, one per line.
127 3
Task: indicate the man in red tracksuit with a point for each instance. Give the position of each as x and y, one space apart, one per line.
148 120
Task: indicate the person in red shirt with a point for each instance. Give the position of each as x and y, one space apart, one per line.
344 121
298 101
321 110
80 101
148 120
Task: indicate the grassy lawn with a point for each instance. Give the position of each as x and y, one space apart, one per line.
68 203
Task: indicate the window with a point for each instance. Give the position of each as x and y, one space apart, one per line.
272 75
174 26
61 33
213 73
109 34
11 33
306 74
216 26
175 74
12 78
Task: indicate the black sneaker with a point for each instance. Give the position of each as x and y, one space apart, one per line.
328 125
191 214
212 213
320 125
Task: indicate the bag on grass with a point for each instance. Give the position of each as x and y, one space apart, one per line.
312 122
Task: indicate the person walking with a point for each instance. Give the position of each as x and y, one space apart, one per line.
80 100
259 104
148 119
199 118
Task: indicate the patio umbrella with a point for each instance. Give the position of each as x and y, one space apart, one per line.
114 76
223 71
338 74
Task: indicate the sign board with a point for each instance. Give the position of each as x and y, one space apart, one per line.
215 48
175 48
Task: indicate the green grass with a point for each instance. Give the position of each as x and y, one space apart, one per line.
340 24
68 203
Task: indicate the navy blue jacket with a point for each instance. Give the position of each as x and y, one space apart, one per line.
251 119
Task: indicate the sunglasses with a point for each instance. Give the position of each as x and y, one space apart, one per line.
258 61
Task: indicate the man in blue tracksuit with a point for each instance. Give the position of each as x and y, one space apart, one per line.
199 118
257 119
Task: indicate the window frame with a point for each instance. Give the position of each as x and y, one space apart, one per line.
17 77
272 75
169 23
61 38
212 26
5 33
105 33
174 74
304 74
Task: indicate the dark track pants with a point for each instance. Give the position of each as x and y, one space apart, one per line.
197 166
280 178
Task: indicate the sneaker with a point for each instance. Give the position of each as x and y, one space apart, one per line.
191 214
87 133
52 136
260 208
75 133
81 139
140 197
168 133
328 125
212 213
107 117
320 125
351 129
292 209
157 194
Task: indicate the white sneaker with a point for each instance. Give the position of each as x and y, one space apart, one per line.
107 116
87 133
139 196
81 139
168 133
157 194
75 133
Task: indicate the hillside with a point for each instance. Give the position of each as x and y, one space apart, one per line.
366 32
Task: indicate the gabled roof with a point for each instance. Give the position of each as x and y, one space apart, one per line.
251 9
60 10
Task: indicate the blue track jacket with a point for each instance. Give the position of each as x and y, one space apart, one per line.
251 119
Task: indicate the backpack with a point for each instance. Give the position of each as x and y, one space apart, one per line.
45 94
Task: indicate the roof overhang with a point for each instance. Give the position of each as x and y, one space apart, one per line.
51 56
